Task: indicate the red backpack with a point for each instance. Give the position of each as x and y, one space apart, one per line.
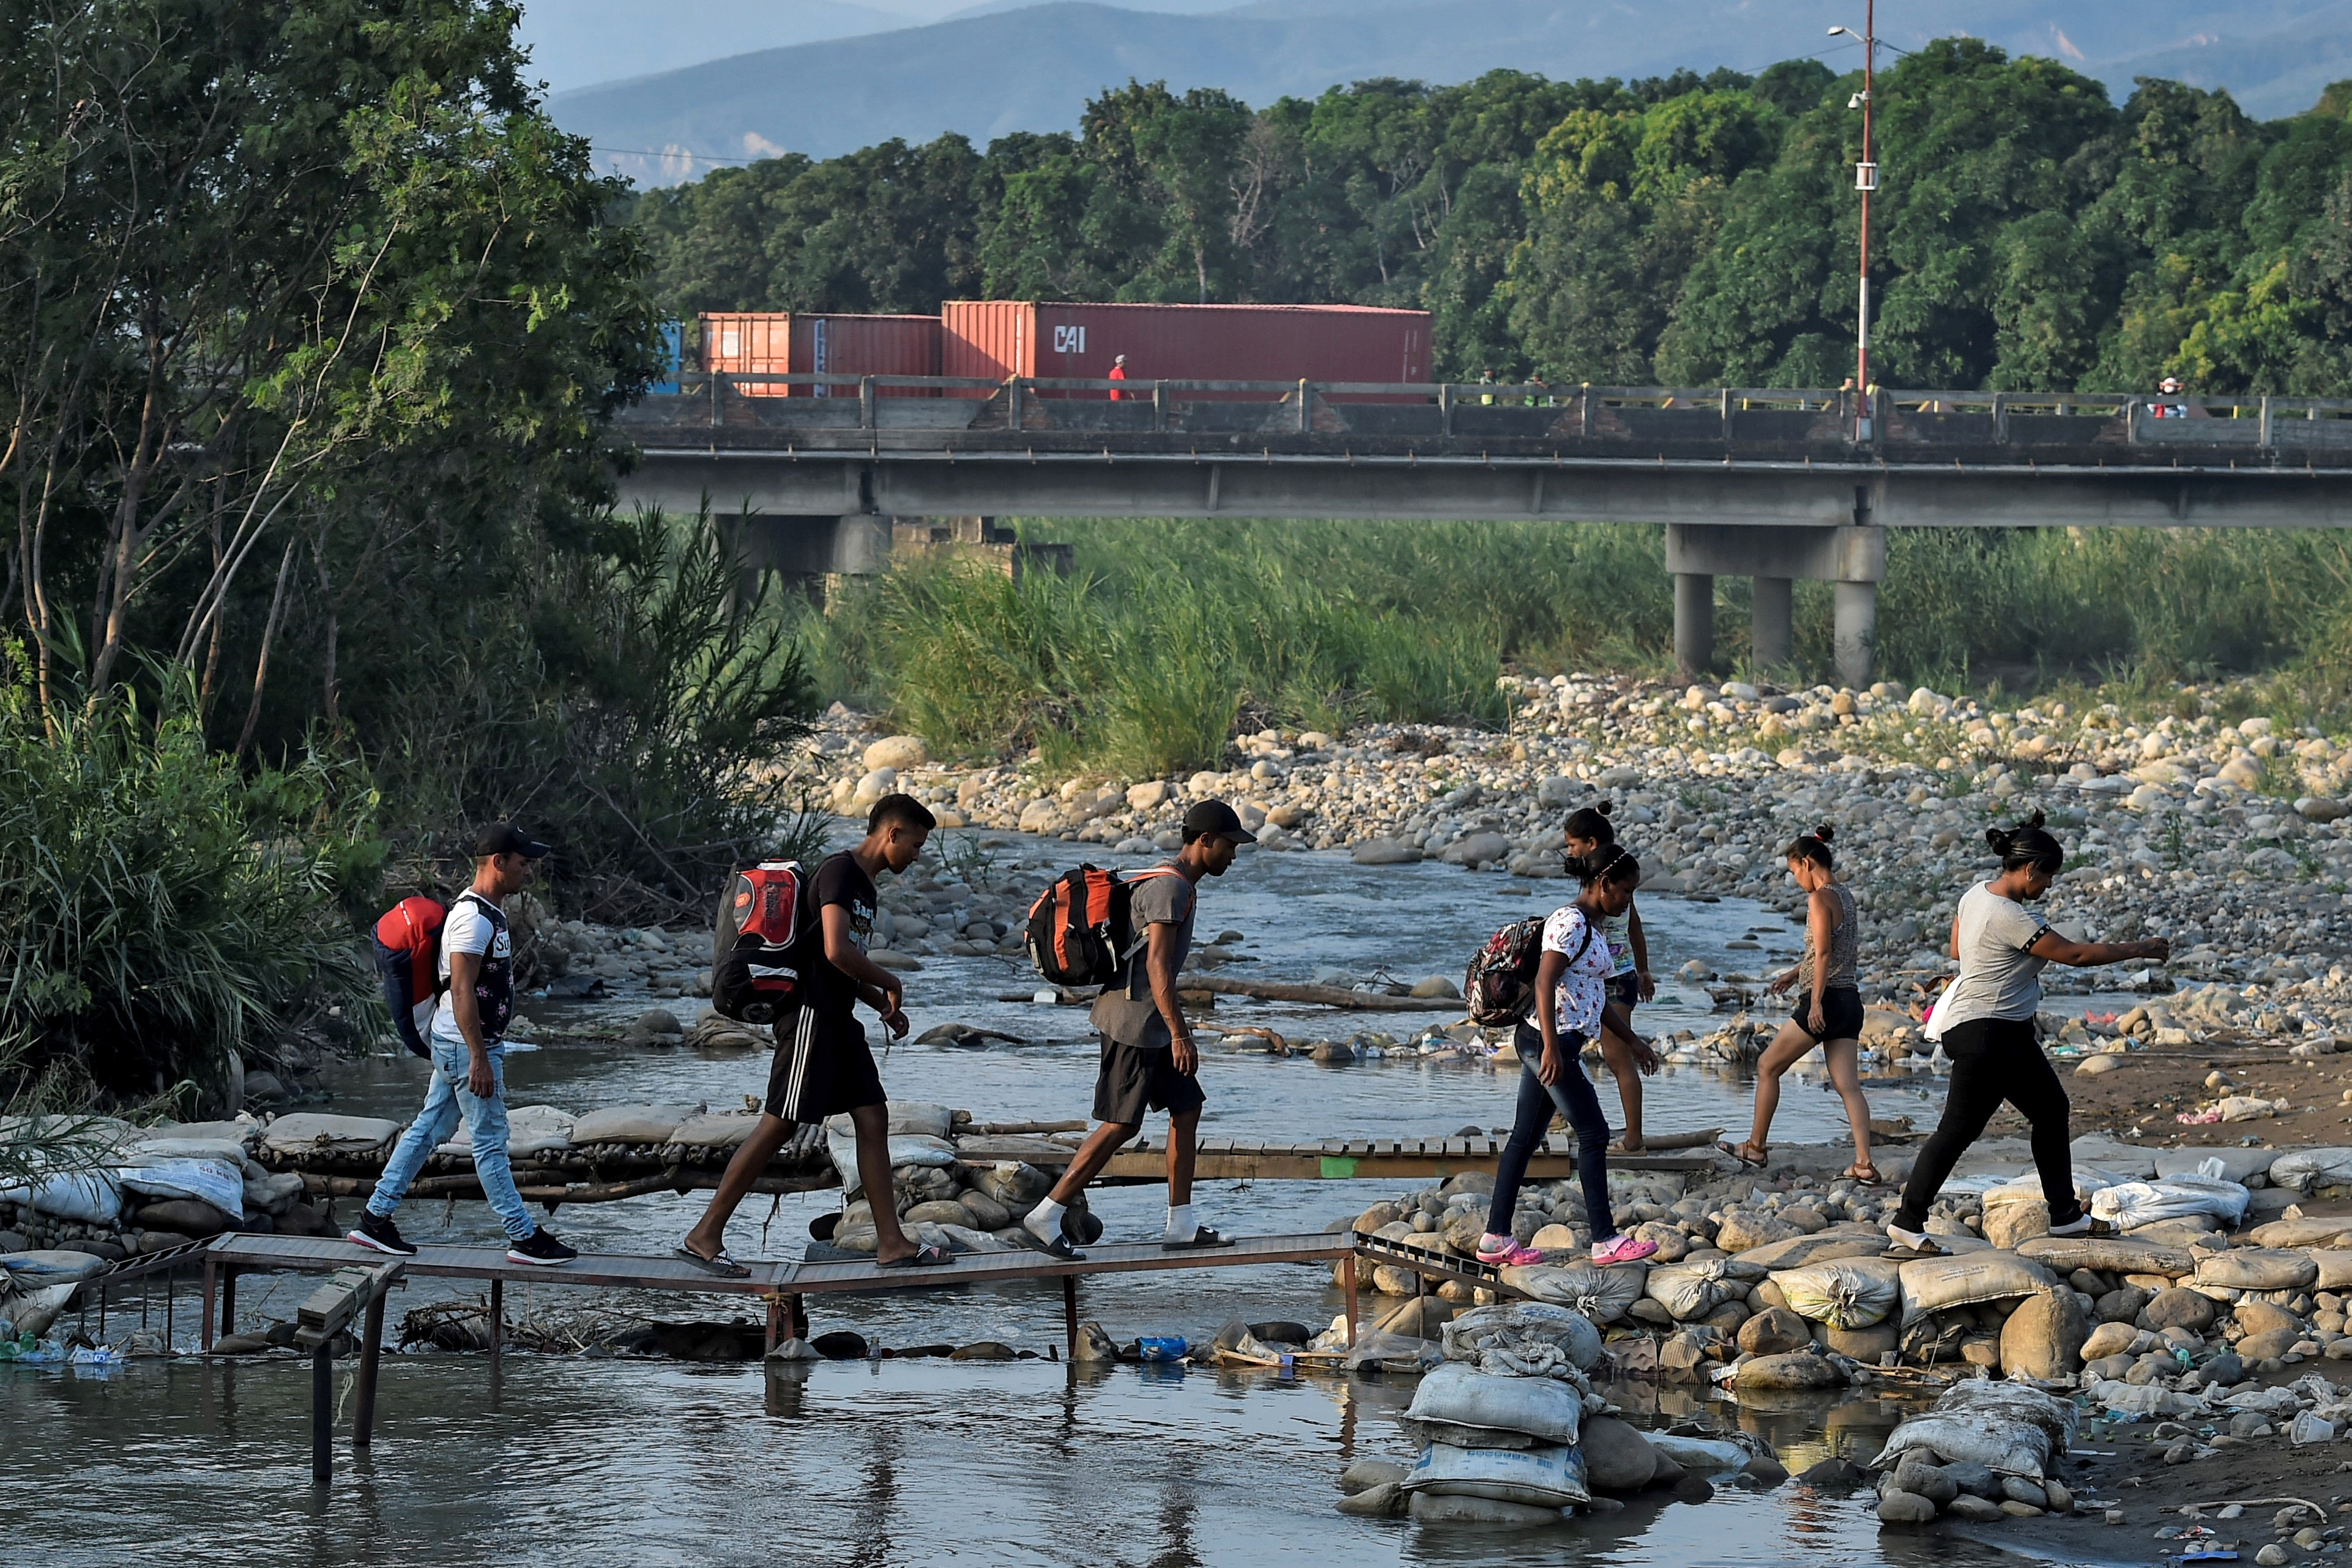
408 958
1080 930
760 970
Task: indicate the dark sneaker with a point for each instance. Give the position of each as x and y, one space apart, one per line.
376 1232
541 1248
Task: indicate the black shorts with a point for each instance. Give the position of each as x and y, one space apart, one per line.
1626 990
1840 1013
1133 1081
822 1068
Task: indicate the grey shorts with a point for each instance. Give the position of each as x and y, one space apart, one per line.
1133 1082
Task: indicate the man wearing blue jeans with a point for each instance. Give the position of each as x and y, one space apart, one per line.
476 973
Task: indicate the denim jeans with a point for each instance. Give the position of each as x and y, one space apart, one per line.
446 1100
1572 1097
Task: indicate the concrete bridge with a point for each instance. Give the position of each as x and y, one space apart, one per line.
1774 484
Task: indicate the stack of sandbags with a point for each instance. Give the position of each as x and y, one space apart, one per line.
620 1131
306 1138
1984 1452
1602 1294
1958 1307
1501 1447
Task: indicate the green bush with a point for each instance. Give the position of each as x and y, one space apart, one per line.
163 915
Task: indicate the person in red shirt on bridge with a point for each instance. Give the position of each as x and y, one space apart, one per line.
1117 373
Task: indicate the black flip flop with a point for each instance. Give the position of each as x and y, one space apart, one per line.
924 1257
1059 1247
1203 1237
719 1263
1899 1253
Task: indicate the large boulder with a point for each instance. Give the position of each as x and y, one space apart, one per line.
1774 1332
1797 1369
2181 1308
898 752
2043 1337
185 1216
1617 1458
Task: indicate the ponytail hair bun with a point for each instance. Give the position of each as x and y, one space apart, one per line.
1609 864
2027 846
1814 847
1592 822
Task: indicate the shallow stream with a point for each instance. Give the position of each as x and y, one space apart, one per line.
570 1460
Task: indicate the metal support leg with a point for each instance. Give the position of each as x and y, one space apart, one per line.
798 1307
1348 1284
775 1322
1771 622
1856 632
229 1301
212 1283
371 1356
497 1317
1694 624
323 1416
1070 1316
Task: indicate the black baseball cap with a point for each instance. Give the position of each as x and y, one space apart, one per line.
1215 818
505 839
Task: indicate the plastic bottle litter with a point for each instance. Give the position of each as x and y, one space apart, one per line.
94 1356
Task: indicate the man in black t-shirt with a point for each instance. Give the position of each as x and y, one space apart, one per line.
822 1067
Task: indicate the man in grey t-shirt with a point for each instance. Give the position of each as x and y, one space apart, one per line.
1149 1060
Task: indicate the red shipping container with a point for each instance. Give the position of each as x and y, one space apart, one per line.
999 338
803 342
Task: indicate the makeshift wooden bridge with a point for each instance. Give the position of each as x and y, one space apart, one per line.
352 1299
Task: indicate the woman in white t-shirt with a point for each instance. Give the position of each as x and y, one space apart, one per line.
1572 989
1985 1022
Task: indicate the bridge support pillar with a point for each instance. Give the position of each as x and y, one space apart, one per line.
1854 558
1854 632
1771 623
1693 624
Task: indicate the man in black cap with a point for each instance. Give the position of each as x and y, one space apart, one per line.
468 1038
1149 1060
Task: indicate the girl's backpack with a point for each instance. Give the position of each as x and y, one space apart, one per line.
761 973
1500 986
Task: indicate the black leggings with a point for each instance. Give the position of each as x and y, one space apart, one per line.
1995 1060
1573 1098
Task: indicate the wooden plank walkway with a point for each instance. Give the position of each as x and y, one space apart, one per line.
1336 1159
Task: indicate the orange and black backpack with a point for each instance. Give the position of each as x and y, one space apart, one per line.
762 969
1080 931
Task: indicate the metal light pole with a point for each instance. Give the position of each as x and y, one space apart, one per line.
1865 180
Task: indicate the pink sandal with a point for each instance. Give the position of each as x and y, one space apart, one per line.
1622 1249
1505 1253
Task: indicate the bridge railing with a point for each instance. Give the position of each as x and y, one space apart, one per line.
1734 414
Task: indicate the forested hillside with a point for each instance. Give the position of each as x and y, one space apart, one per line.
2031 232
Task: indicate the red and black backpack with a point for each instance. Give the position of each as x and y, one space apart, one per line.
1080 930
408 960
762 967
1500 986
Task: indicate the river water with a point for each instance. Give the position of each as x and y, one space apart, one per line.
581 1461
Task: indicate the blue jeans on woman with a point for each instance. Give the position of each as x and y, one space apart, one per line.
446 1100
1572 1097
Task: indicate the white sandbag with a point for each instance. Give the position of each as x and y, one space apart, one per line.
208 1181
271 1193
155 1151
631 1124
2257 1268
86 1198
2335 1268
1544 1409
2304 1169
2130 1204
2141 1401
531 1130
1699 1456
50 1266
1548 1475
2011 1427
1932 1284
1524 1339
910 1149
1438 1511
916 1117
716 1129
244 1131
2108 1255
1601 1294
319 1133
1394 1352
1690 1290
1845 1292
35 1311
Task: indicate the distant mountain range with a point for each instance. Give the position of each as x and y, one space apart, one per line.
1009 66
